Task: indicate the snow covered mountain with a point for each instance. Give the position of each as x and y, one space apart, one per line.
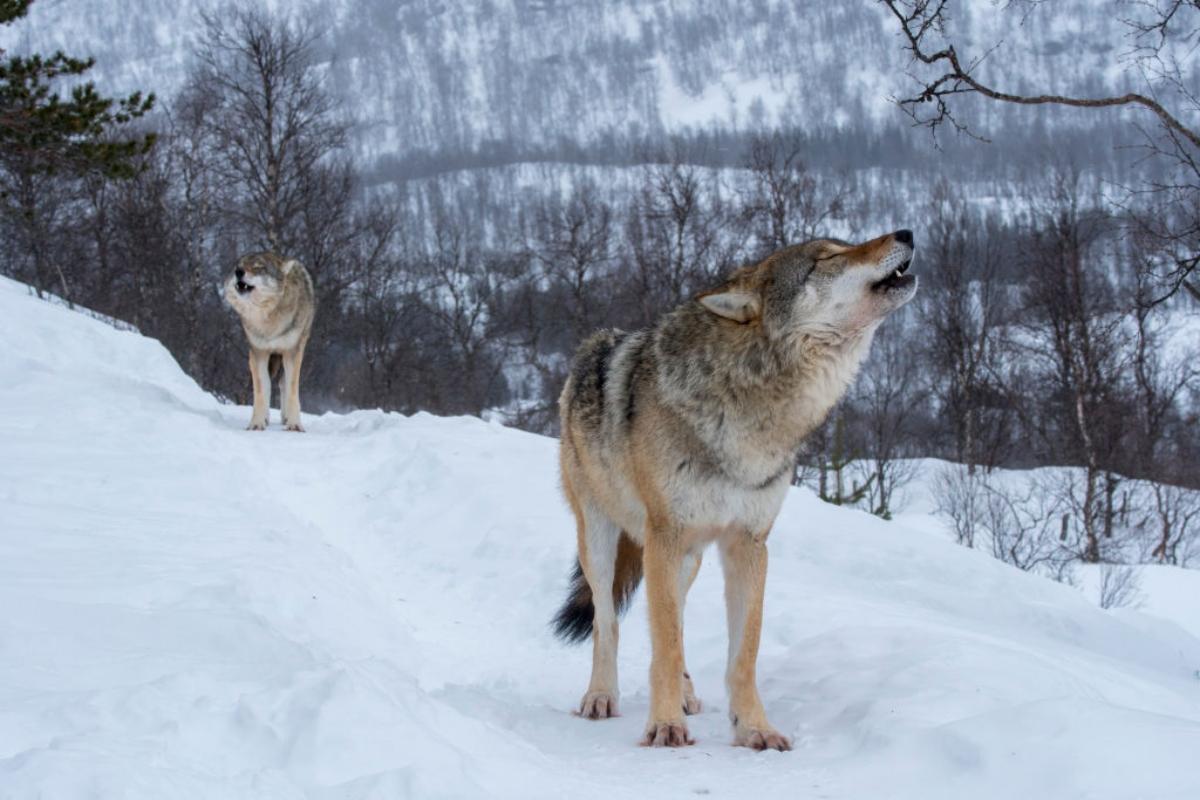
525 78
192 610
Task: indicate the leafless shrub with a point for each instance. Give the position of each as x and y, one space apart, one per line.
880 404
1119 586
827 461
1175 524
1024 527
960 495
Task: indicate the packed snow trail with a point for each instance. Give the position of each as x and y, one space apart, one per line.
193 610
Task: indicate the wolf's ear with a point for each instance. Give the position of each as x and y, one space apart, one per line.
289 265
733 304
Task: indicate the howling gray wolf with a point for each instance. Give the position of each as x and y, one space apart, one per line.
275 299
686 434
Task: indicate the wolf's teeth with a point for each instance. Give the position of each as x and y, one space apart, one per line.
896 273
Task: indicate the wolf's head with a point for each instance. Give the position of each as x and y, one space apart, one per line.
824 288
257 282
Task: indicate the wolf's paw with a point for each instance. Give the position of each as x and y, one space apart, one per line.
598 705
762 738
295 427
669 733
256 426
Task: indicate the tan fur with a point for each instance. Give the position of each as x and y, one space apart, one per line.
686 434
277 315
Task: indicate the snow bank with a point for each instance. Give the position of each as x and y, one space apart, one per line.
197 611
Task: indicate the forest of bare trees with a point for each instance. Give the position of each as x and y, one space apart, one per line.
1046 332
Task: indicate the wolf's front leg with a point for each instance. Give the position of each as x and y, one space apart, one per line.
689 567
744 559
663 562
260 375
289 390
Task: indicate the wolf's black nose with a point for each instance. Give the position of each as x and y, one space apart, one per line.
904 237
240 273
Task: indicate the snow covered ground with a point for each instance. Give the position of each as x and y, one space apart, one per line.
191 610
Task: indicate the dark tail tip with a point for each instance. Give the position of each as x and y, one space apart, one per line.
573 622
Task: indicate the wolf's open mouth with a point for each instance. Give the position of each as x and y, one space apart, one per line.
896 280
243 287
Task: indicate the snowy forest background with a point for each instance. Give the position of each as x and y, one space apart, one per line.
477 186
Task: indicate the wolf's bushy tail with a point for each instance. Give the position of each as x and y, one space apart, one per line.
573 622
274 364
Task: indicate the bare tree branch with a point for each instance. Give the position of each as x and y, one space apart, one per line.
919 17
1175 221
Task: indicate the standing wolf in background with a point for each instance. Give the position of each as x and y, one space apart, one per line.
276 302
687 433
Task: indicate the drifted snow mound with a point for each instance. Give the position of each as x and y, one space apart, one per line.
192 610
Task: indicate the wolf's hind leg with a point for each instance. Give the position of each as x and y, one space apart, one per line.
599 543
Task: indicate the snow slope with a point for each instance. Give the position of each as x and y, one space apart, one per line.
197 611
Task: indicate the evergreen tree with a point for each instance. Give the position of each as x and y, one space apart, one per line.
47 137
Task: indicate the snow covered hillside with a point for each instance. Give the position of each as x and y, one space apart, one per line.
192 610
429 76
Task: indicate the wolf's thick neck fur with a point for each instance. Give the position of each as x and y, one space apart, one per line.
283 317
779 388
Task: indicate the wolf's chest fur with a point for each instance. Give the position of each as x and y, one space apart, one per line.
272 330
750 429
